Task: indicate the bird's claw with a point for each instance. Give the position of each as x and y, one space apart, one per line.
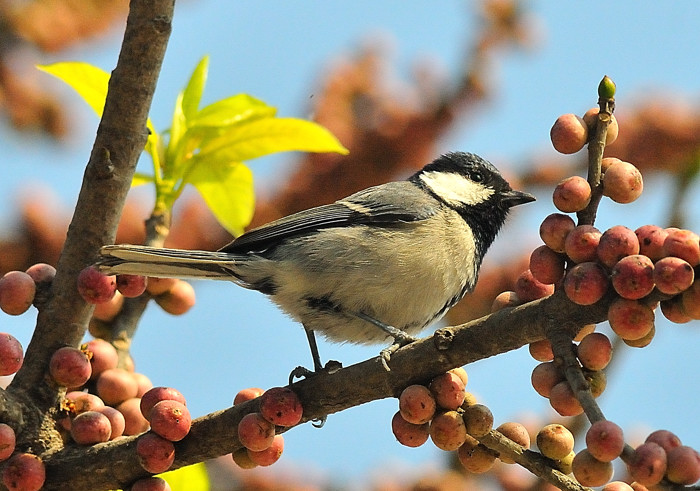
400 341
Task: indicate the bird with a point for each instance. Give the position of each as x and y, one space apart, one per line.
378 265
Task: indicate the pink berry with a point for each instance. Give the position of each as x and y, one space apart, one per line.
589 471
672 309
281 406
409 434
630 319
517 433
270 455
150 484
591 120
41 273
622 182
255 432
541 350
683 465
673 275
586 283
544 377
684 244
17 290
595 351
157 394
568 134
131 285
448 389
605 440
156 454
134 422
24 472
649 464
475 458
554 230
11 354
572 194
417 404
116 420
178 300
651 241
563 401
83 401
665 438
7 441
555 441
528 288
546 265
70 367
90 427
104 356
171 420
95 287
616 243
247 395
582 243
116 385
447 431
632 277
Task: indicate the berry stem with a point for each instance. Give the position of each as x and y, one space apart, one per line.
596 147
532 461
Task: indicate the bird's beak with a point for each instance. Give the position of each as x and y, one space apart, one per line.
514 198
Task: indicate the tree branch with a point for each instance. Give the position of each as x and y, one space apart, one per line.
327 393
120 139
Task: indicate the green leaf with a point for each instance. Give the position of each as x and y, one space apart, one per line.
193 92
232 110
87 80
191 478
260 137
227 188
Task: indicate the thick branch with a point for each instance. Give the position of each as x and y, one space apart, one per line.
326 393
120 139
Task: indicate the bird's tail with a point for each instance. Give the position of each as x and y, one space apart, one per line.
166 263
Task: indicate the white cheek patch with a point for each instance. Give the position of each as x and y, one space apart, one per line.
456 189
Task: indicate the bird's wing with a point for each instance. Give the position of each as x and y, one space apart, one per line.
391 203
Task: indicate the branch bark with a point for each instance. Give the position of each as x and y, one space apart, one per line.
120 139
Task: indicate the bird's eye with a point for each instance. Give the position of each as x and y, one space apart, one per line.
477 176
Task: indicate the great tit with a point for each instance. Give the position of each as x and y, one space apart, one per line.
382 263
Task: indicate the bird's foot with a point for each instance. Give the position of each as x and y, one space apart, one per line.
303 372
400 339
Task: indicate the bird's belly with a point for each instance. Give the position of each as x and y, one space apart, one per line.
395 285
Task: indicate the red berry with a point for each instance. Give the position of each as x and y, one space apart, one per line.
673 275
572 194
134 422
116 420
605 441
7 441
630 319
417 404
541 350
616 243
544 377
95 287
157 394
104 356
666 439
131 285
683 465
633 277
116 385
150 484
17 290
41 273
595 351
563 401
586 283
591 120
554 230
528 288
546 265
476 458
171 420
255 432
270 455
24 472
517 433
70 367
672 309
281 406
582 243
156 454
11 354
409 434
651 241
178 300
684 244
90 427
589 471
247 395
649 464
449 390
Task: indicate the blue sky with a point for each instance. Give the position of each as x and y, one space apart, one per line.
274 50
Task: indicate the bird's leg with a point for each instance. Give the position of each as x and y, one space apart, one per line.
301 372
400 337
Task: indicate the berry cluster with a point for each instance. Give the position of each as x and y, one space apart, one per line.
279 407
